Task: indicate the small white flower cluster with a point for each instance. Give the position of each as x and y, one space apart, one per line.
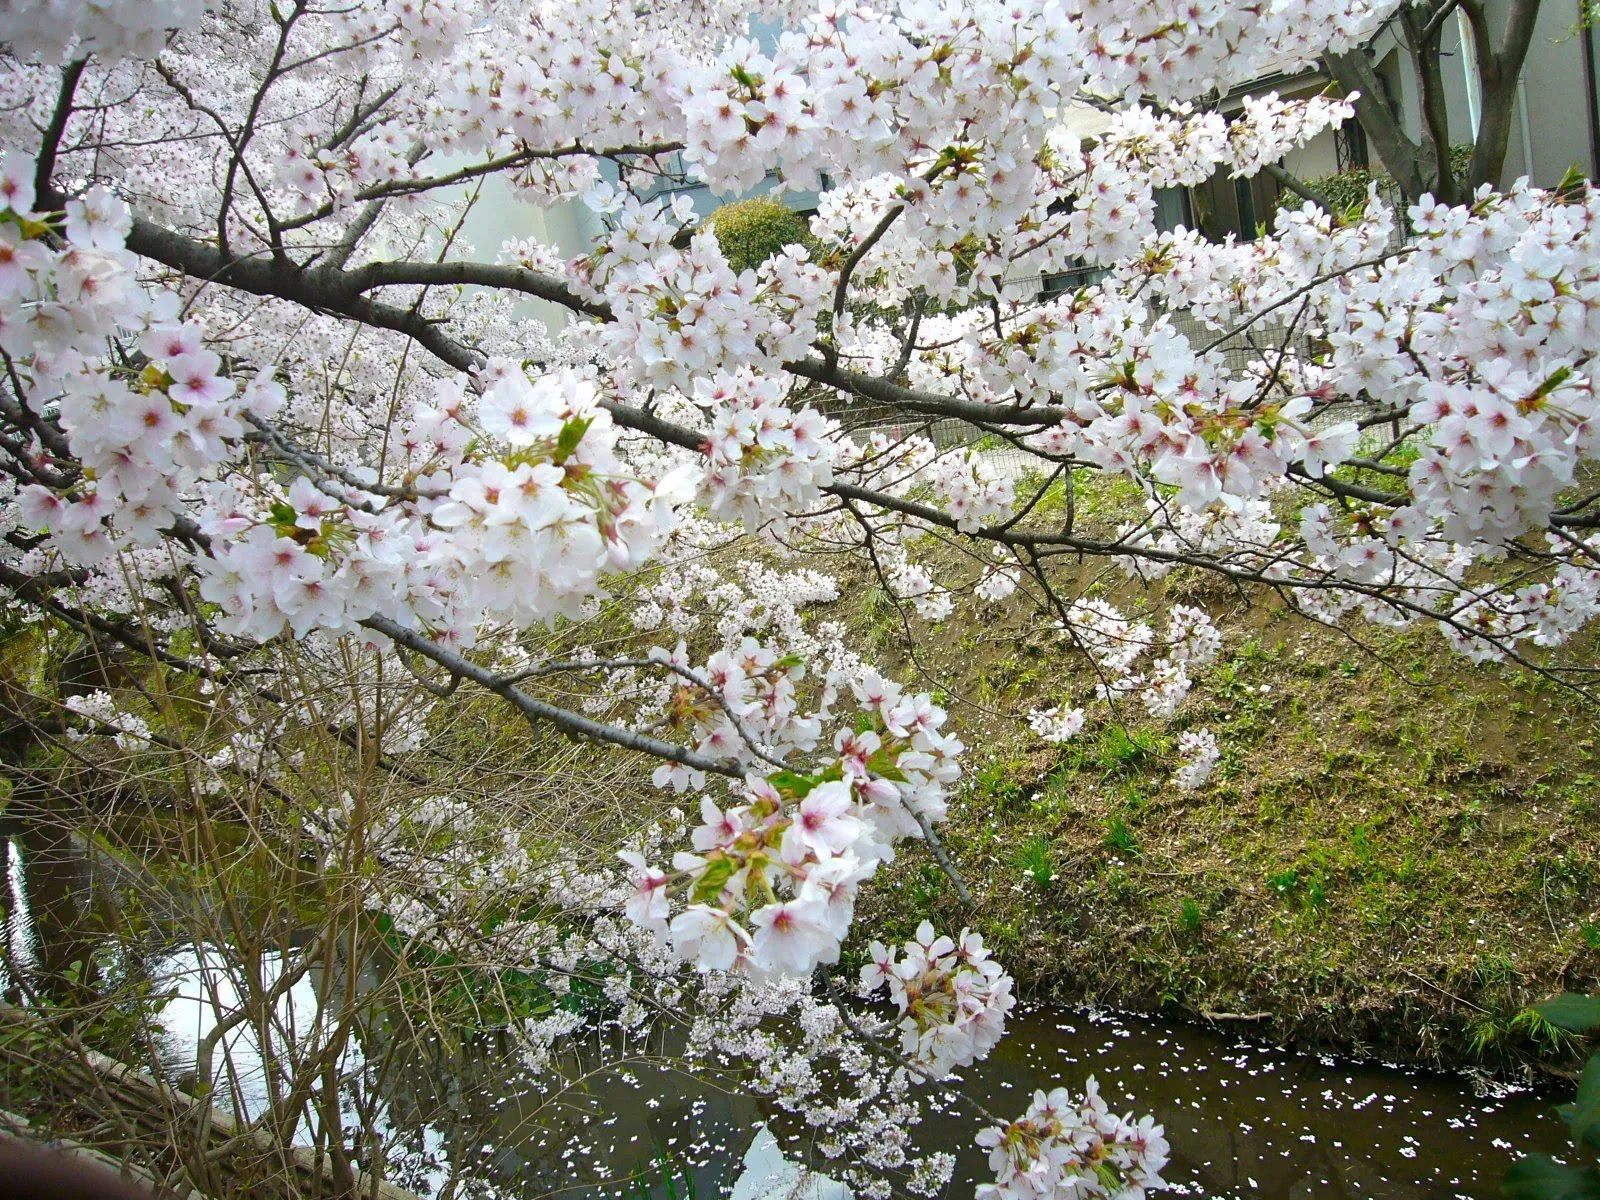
999 581
1056 724
684 315
1116 644
888 462
100 709
974 490
751 598
1180 147
1247 533
771 882
1269 127
1201 756
952 997
1064 1148
316 175
764 461
424 28
1140 400
1510 409
746 693
913 581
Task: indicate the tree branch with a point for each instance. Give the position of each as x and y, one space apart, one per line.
537 711
50 139
1274 172
1353 72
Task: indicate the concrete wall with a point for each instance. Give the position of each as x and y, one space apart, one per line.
1316 158
1552 106
1557 107
498 217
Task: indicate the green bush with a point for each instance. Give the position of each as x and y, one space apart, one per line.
752 231
1346 191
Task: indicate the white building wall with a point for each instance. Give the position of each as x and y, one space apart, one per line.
1552 105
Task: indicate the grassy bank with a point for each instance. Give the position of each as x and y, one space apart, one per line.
1398 852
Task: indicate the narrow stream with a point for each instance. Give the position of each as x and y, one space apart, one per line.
1245 1119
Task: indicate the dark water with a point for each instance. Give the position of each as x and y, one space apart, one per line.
1245 1119
1248 1119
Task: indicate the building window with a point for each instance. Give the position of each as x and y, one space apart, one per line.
1172 209
1350 147
1244 197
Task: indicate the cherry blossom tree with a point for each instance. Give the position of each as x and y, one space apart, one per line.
259 392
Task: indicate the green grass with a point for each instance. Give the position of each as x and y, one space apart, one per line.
1036 860
1120 839
1395 839
1190 917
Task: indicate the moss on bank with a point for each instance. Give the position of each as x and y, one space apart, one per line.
1397 853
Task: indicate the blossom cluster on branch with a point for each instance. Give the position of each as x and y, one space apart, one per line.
952 996
259 386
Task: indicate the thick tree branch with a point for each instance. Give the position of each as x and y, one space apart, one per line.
1499 69
321 289
1428 67
1276 173
493 275
50 139
1404 158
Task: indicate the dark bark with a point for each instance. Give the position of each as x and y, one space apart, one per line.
1403 158
1428 66
1424 166
1499 68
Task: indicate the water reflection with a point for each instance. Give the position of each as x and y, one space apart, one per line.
1244 1119
1247 1119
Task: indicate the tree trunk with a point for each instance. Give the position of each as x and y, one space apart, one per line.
1403 158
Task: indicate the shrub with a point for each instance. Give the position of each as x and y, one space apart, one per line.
1346 191
752 231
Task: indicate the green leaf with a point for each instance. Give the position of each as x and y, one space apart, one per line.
1574 182
1540 1177
711 882
1580 1014
791 783
1583 1114
1559 376
571 434
883 763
